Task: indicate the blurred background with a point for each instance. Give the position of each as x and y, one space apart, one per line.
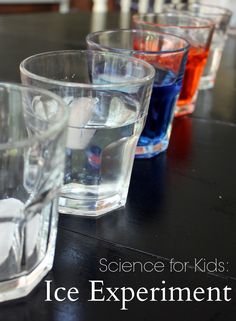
128 7
24 6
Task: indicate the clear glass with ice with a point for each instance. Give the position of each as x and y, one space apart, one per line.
108 96
32 141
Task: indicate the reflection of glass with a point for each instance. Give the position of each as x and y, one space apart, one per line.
221 18
180 153
167 54
32 143
108 97
198 32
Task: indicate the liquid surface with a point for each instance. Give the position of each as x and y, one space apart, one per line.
168 80
196 61
161 110
98 167
155 136
213 60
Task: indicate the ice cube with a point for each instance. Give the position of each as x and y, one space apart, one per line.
45 110
119 114
81 111
11 210
32 234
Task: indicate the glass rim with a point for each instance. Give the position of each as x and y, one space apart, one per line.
89 40
133 82
54 128
206 23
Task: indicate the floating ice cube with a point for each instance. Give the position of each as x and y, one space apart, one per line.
32 234
11 211
11 217
81 111
45 110
32 169
119 114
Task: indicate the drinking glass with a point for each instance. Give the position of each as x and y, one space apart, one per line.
221 18
32 143
198 32
167 54
108 97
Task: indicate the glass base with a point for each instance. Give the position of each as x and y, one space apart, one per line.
184 110
207 82
148 148
90 207
23 285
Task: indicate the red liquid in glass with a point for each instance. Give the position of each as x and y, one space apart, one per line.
196 61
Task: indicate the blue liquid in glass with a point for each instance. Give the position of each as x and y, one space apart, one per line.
155 136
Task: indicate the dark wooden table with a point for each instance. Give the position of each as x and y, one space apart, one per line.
181 204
